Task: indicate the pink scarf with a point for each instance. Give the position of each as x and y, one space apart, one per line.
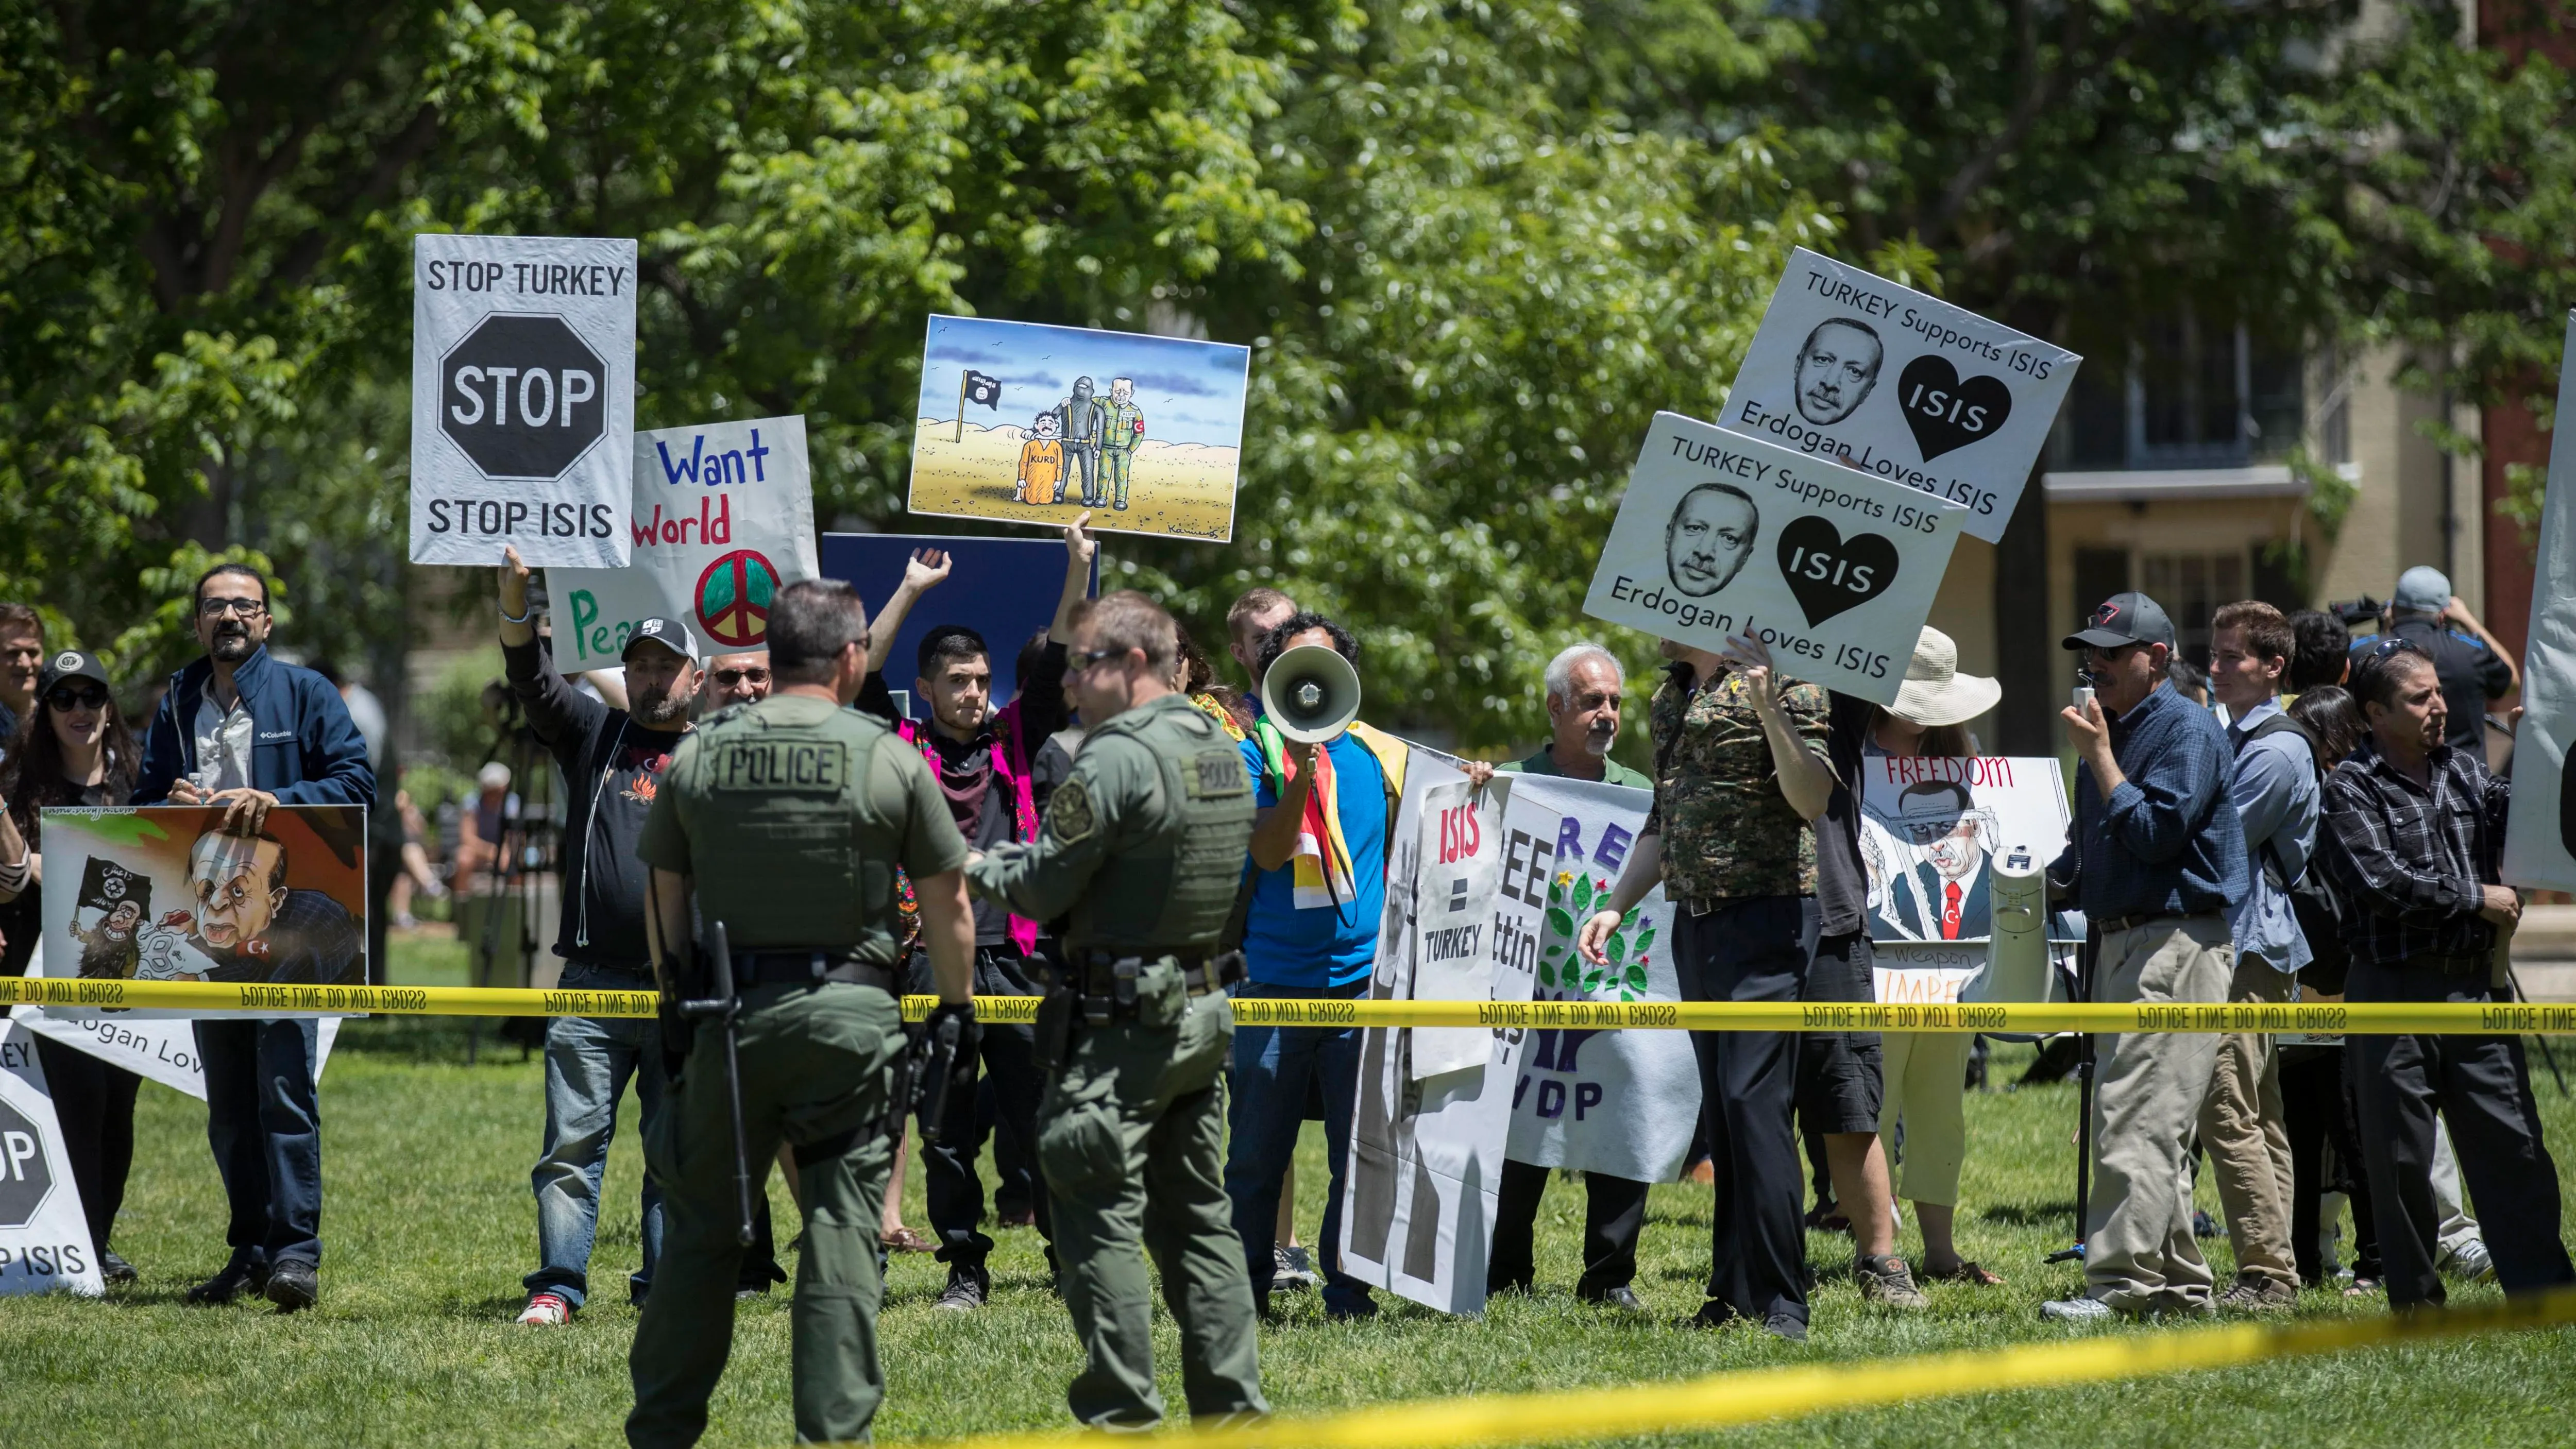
1011 771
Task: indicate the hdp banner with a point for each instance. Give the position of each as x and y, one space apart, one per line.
522 398
44 1237
723 517
2540 836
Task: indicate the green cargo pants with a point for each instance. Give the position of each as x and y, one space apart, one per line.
1115 464
817 1067
1131 1136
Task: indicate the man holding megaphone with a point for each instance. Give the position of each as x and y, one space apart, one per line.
1325 789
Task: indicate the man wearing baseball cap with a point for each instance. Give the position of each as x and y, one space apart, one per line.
612 761
2473 666
2158 854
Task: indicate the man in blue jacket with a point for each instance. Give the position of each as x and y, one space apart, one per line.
244 731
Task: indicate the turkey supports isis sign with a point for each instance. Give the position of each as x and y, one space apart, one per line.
1901 385
523 399
722 516
1832 568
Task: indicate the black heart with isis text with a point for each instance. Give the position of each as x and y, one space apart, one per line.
1946 413
1830 573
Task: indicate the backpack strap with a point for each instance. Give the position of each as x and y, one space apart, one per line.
2282 724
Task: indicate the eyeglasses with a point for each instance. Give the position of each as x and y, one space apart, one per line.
69 697
217 608
1078 660
731 677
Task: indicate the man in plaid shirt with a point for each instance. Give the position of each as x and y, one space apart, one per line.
2414 830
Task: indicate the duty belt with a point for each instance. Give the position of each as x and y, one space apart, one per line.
1106 980
808 967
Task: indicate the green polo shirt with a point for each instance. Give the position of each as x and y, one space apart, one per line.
1544 763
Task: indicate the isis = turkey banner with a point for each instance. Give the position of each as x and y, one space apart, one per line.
723 517
1901 385
2540 835
44 1236
522 398
1721 534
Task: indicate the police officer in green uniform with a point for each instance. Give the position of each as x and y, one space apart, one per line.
787 818
1144 842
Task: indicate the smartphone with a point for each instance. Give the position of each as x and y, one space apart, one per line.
2083 697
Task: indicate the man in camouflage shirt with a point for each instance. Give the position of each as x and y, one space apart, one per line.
1738 863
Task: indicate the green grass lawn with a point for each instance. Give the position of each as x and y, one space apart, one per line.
429 1226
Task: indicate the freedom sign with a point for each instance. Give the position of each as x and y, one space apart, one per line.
1832 568
722 517
522 399
1902 385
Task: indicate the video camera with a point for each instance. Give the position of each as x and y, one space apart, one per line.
2364 610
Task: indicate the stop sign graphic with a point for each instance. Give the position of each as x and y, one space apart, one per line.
26 1178
522 396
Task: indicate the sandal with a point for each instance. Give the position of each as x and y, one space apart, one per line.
905 1240
1966 1272
2364 1288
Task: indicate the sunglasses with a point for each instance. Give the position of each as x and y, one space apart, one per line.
1078 660
78 697
2386 647
731 677
217 608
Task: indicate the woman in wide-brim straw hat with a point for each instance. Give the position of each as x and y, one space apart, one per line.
1927 1071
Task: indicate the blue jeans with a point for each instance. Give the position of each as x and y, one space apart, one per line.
265 1126
1273 1066
588 1062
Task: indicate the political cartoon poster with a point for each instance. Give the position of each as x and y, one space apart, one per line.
1426 1150
522 399
169 893
2540 836
1931 830
1030 423
44 1236
152 1045
1005 589
1617 1102
1901 385
722 515
1721 534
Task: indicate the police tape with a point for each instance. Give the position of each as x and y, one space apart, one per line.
2317 1019
1748 1396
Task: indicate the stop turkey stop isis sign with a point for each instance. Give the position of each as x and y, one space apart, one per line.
523 399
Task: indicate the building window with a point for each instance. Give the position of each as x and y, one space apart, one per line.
2191 587
2192 393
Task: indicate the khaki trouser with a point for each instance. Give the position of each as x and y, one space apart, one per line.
2139 1256
1131 1137
2248 1138
1927 1079
817 1068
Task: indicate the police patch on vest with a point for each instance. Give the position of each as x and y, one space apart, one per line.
1218 775
777 766
1069 815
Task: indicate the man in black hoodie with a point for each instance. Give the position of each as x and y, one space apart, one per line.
612 761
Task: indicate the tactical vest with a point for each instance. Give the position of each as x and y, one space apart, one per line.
1170 882
787 847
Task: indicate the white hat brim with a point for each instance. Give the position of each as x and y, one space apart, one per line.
1957 700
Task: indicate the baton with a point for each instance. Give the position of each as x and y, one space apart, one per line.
725 1006
942 1061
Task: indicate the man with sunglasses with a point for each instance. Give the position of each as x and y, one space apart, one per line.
734 679
613 760
2157 857
244 731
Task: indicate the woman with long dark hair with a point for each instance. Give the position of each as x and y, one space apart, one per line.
75 750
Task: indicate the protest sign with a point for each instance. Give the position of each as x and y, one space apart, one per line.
151 1045
522 399
1145 431
1932 827
2540 835
1617 1102
166 894
44 1236
722 517
1904 386
1426 1150
1005 589
1722 534
1461 853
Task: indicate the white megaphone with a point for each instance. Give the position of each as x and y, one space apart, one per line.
2017 966
1311 693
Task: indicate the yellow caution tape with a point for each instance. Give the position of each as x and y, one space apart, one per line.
2333 1018
1755 1395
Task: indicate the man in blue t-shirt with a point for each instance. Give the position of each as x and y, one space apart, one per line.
1318 875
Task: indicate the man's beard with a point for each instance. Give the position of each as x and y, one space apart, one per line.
232 643
657 707
1598 739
